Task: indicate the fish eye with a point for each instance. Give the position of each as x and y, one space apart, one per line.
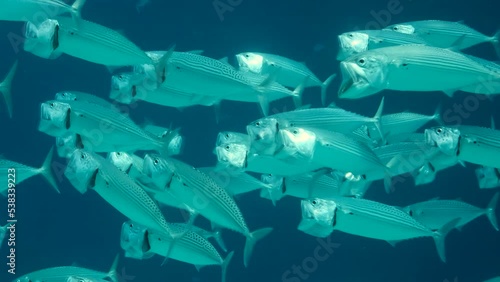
118 154
227 147
295 132
51 105
350 35
257 123
82 156
131 225
361 61
314 202
227 135
439 130
246 56
156 161
120 77
395 28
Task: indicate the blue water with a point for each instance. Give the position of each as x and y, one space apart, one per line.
55 230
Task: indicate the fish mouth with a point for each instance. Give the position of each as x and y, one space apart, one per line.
45 112
428 138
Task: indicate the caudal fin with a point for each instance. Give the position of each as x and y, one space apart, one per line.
112 274
5 88
251 241
324 87
496 43
46 170
440 237
225 264
491 211
297 98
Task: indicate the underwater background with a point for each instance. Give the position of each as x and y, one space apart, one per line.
55 230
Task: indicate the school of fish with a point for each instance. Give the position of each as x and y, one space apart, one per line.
328 156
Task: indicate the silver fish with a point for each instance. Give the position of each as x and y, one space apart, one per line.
288 72
379 221
199 191
446 34
16 173
263 132
355 42
140 242
98 125
63 273
87 170
237 156
473 148
437 213
5 89
393 68
131 87
318 218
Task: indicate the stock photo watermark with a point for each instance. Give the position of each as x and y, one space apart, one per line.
223 6
309 265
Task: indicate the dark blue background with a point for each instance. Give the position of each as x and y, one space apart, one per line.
61 229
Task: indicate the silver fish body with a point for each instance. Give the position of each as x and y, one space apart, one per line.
444 34
355 42
393 68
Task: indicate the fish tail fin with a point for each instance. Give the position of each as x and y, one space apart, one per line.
378 118
218 238
324 87
46 170
77 9
225 264
252 239
5 88
491 210
437 115
496 42
264 104
297 93
112 274
161 66
440 236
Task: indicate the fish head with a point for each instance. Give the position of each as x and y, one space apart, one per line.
225 137
42 40
55 118
297 142
82 170
352 43
159 170
134 240
67 144
126 88
274 189
445 138
354 185
363 75
318 217
402 28
65 96
263 133
232 155
250 62
122 160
